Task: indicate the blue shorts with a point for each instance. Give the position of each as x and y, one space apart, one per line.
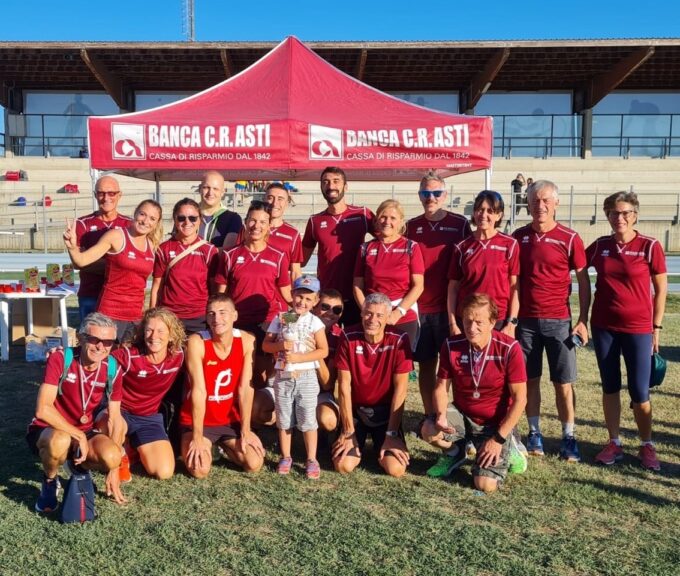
637 354
144 429
553 335
434 329
86 305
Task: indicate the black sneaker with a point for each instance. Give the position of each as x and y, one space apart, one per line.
49 492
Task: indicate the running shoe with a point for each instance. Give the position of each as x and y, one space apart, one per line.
49 491
124 473
312 470
448 463
285 464
535 444
648 459
610 454
569 449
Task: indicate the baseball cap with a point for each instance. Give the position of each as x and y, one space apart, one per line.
307 283
658 370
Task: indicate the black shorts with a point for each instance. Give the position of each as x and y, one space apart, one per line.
34 432
218 434
144 429
434 329
373 421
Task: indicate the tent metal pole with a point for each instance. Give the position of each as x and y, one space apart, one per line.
157 177
487 179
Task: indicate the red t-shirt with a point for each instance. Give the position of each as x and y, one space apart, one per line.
546 261
485 266
623 290
436 240
70 402
145 384
372 366
387 268
287 239
89 230
253 281
185 288
502 366
122 297
222 379
339 238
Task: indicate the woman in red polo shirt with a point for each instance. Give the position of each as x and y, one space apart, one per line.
182 268
486 262
393 265
129 262
627 320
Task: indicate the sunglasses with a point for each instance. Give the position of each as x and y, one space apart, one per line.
429 193
183 218
337 310
106 342
107 193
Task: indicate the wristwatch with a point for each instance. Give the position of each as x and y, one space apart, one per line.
392 434
401 311
512 320
498 438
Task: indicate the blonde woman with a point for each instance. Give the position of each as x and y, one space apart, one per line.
129 262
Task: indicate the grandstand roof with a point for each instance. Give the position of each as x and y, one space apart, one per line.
593 67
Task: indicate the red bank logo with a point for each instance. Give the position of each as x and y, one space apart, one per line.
325 143
128 142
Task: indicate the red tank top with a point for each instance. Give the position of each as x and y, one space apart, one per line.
125 282
222 377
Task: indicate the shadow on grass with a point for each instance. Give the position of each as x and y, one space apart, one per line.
631 434
627 492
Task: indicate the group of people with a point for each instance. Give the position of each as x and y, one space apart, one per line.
252 341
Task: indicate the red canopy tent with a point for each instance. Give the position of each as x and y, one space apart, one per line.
287 117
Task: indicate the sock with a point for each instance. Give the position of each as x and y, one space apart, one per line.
534 425
567 429
616 441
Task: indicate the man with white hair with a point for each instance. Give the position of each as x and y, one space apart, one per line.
548 253
373 365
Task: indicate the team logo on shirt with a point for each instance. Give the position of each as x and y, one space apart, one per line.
605 253
142 373
324 224
525 239
359 350
222 380
419 230
555 241
469 251
211 363
464 359
448 229
501 248
240 260
373 252
172 253
93 228
132 256
71 377
268 262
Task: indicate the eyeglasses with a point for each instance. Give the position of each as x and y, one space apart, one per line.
337 310
429 193
183 218
614 215
106 342
107 193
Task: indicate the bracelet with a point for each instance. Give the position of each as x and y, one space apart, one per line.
348 435
657 326
498 438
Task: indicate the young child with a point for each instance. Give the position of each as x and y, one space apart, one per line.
290 337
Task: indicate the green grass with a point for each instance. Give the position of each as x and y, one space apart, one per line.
555 519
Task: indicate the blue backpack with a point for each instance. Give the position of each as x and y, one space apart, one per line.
78 504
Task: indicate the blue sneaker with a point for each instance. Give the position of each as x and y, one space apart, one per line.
535 444
569 449
47 501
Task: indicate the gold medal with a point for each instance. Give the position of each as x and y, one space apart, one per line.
84 419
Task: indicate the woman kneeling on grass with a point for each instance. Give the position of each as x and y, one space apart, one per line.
150 364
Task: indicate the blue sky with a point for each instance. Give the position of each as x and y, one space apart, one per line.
227 20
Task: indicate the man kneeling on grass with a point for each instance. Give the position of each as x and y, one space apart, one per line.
218 405
486 369
65 411
373 366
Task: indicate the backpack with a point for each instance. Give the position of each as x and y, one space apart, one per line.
78 504
110 374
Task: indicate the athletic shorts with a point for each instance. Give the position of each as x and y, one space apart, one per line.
465 428
218 434
434 329
637 354
373 421
553 335
144 429
326 397
193 325
86 305
295 399
33 435
412 330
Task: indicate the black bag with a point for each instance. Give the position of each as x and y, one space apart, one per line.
78 504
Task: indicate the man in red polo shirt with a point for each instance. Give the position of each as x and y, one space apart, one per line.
548 252
89 229
485 369
436 230
67 404
339 232
373 366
